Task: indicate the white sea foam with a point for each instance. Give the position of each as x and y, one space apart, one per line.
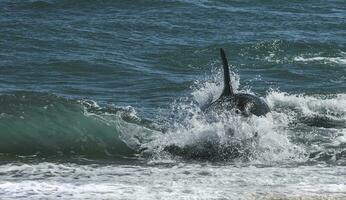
332 106
181 181
335 60
340 139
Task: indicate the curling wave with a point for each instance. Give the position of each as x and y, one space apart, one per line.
34 123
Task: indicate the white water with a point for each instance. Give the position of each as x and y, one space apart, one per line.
325 60
182 181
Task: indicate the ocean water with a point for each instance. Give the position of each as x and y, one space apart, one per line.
93 93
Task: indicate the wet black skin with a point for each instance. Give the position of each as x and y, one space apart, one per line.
248 103
242 103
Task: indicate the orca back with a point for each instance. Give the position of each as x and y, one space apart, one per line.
249 104
245 103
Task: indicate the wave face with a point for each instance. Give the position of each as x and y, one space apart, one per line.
46 125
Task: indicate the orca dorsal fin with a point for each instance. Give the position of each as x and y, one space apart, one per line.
227 90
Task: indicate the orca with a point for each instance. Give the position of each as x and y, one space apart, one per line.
244 103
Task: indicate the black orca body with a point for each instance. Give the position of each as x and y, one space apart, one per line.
244 103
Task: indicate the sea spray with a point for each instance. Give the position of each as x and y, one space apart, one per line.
226 135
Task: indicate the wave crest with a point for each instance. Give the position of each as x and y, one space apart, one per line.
44 124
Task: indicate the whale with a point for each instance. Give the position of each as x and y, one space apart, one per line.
242 103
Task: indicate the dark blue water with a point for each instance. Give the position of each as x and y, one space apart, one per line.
116 80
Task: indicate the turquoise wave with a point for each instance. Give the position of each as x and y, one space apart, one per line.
34 123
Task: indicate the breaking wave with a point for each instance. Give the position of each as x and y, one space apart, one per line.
42 124
300 128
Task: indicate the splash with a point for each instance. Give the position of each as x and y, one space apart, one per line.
224 136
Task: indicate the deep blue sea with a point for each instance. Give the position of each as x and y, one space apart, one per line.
93 93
